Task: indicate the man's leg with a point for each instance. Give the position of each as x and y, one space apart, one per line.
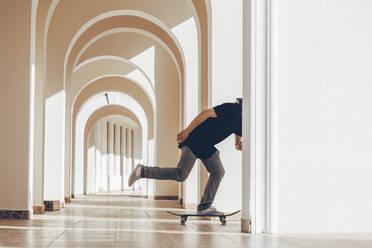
184 167
216 173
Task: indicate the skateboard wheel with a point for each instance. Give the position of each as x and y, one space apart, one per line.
223 220
183 221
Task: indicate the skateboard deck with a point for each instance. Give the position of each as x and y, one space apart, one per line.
222 216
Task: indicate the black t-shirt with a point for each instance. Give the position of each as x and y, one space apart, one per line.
203 138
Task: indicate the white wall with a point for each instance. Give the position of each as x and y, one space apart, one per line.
321 122
186 34
227 81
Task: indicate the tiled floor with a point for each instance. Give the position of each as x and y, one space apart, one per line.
122 221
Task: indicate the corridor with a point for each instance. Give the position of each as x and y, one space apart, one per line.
129 221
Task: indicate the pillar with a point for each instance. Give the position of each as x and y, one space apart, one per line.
98 144
123 156
129 167
16 170
110 153
91 163
246 172
117 151
104 176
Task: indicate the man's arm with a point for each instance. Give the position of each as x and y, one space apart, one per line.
205 114
238 143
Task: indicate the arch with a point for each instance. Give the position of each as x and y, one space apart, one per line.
79 82
106 84
99 114
92 104
120 19
119 84
104 9
128 30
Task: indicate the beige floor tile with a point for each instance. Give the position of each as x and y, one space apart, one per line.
127 221
322 243
144 239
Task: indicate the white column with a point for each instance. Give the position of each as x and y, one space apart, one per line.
104 176
98 144
110 152
117 151
134 160
129 167
38 180
124 179
91 163
54 166
138 158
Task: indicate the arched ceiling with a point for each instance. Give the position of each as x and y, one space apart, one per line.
106 111
117 84
66 36
123 21
105 66
170 12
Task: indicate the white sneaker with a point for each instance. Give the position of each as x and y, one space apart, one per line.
210 210
135 175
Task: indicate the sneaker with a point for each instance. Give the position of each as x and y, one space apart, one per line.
210 210
135 175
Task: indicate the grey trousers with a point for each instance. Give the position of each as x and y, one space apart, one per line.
183 169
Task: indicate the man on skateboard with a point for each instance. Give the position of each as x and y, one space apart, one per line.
198 140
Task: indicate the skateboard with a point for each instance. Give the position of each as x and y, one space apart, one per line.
222 216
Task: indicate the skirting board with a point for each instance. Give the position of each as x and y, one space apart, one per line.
15 214
165 197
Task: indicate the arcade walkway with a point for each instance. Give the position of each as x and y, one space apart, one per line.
123 221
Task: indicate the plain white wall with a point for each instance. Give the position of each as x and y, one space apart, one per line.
227 82
321 122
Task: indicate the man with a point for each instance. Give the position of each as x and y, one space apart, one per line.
198 140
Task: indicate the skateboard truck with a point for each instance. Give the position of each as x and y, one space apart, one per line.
222 216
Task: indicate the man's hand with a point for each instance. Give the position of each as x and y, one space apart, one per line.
238 143
182 136
239 146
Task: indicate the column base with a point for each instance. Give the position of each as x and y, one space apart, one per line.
15 214
52 205
166 197
246 225
39 209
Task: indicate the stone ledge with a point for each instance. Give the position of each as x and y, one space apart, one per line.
15 214
166 197
39 209
52 205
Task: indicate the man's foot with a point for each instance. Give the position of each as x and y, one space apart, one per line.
135 175
210 210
